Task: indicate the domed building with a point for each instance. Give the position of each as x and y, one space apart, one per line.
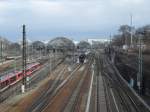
61 43
83 45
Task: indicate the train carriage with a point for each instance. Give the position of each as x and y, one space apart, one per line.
15 76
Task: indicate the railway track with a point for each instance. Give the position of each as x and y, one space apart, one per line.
15 89
74 104
47 97
66 97
59 93
37 104
127 102
98 70
112 105
101 100
97 98
73 100
128 67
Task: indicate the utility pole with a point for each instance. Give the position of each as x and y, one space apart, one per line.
27 51
32 52
131 18
1 51
50 63
45 50
140 67
15 59
24 59
110 40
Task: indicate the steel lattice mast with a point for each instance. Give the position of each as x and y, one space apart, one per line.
24 58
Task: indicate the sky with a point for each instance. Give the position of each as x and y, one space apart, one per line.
75 19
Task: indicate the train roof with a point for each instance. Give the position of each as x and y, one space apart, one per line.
9 75
32 65
13 73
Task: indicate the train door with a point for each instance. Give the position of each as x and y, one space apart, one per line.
4 84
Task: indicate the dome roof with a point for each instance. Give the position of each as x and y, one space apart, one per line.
83 45
38 44
61 42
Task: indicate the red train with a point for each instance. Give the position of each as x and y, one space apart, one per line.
15 76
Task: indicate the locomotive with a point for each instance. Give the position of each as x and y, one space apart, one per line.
82 58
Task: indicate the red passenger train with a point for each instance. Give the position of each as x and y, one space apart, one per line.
15 76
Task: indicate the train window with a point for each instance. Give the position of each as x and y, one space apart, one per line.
12 79
20 74
32 69
27 70
4 84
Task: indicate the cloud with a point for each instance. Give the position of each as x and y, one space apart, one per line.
84 18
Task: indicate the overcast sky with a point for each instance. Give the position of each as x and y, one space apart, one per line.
76 19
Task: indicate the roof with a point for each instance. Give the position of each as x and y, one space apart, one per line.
61 42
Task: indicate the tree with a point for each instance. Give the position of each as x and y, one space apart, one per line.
4 43
145 32
118 40
125 35
84 45
125 31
